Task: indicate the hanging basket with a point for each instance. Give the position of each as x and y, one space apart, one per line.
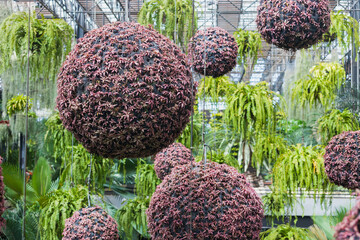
174 155
342 159
215 48
205 202
91 223
293 24
125 91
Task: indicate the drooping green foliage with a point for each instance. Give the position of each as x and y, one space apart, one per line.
17 104
50 41
285 232
146 179
60 205
100 167
277 204
161 15
185 137
302 168
320 87
336 122
215 89
249 46
346 30
251 109
132 216
58 136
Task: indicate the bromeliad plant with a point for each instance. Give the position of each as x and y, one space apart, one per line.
320 88
342 159
17 104
145 100
175 24
198 201
304 168
293 25
249 45
345 29
50 42
336 122
212 52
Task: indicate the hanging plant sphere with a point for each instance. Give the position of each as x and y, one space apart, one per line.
170 157
293 24
204 202
348 228
342 159
214 48
90 223
125 91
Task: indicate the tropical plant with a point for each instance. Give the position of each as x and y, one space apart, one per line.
57 137
345 29
17 104
132 217
220 157
215 88
304 168
185 137
176 24
129 119
77 161
251 109
320 87
249 46
293 25
146 179
335 122
59 206
285 232
50 42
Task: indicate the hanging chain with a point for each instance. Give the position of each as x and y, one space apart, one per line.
204 96
89 181
26 125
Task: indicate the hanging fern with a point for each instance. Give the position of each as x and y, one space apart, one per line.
185 137
267 149
161 14
284 232
345 29
336 122
302 168
60 137
60 205
215 88
146 179
50 41
321 85
101 167
249 46
17 104
131 217
251 109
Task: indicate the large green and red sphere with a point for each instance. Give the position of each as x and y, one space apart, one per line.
213 52
125 91
197 201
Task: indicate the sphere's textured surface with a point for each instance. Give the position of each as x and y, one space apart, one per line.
90 223
215 48
2 197
211 202
293 24
342 159
170 157
125 91
348 228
